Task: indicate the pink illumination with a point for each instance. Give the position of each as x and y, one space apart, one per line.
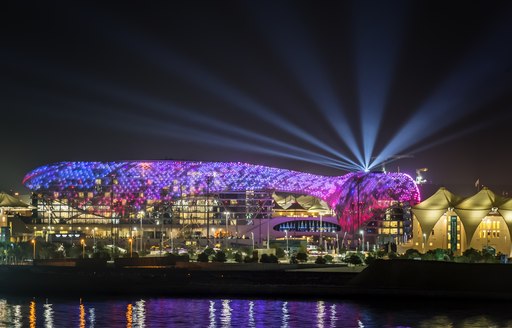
137 182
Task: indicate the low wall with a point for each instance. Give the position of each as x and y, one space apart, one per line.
79 263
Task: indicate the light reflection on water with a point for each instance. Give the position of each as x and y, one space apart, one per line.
223 313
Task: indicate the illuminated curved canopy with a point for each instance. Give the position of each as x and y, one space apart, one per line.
429 211
471 210
146 180
474 209
505 209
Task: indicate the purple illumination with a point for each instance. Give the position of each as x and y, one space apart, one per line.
137 182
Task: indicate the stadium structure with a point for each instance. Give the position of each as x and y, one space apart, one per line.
208 202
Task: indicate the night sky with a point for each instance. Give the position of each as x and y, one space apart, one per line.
273 83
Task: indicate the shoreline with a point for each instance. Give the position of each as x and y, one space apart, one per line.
384 279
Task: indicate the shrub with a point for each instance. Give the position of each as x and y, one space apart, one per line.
209 251
273 259
392 255
411 254
203 257
354 259
220 256
183 258
293 260
264 258
280 252
238 257
302 257
472 255
248 259
369 259
328 258
320 260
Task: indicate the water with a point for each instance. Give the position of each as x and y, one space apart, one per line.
181 312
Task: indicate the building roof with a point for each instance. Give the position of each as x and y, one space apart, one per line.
474 209
11 202
471 210
431 209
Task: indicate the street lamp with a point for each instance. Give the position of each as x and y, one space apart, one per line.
141 231
321 228
161 237
337 243
82 241
287 246
252 237
226 237
49 224
131 246
34 244
362 235
94 238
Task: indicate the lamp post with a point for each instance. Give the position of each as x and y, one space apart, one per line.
82 241
321 228
226 236
141 231
362 237
131 246
337 243
343 240
49 225
161 237
34 253
252 238
172 241
208 181
135 237
287 246
268 233
94 239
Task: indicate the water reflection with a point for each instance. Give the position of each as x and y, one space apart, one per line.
82 315
285 316
333 317
48 315
320 314
129 315
17 316
251 314
32 314
162 312
92 318
225 317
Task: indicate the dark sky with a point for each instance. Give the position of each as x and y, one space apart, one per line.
85 80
